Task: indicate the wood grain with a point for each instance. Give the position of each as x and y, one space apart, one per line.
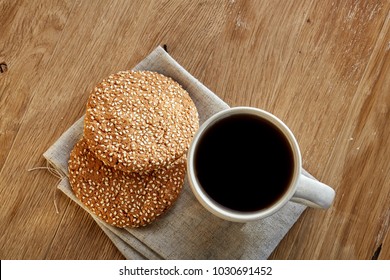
348 142
40 26
321 66
384 249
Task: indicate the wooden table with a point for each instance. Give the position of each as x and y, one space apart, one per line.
323 67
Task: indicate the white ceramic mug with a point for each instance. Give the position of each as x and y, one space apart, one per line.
301 189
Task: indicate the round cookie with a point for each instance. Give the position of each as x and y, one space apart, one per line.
123 199
139 121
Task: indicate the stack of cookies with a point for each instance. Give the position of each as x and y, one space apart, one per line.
129 167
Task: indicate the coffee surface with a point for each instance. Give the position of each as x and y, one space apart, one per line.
244 163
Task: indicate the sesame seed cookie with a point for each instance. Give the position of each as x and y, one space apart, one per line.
138 121
123 199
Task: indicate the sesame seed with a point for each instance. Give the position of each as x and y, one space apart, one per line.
154 103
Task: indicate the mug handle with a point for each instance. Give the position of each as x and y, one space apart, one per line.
313 193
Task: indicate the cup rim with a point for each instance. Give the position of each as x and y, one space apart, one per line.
222 211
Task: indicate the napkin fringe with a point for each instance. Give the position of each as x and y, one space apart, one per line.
56 173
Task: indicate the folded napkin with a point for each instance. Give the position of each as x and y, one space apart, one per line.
187 230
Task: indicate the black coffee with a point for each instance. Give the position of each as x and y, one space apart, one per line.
244 163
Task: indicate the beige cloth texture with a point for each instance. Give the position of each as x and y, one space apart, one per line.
187 230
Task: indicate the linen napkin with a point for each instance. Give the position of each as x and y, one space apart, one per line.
187 230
